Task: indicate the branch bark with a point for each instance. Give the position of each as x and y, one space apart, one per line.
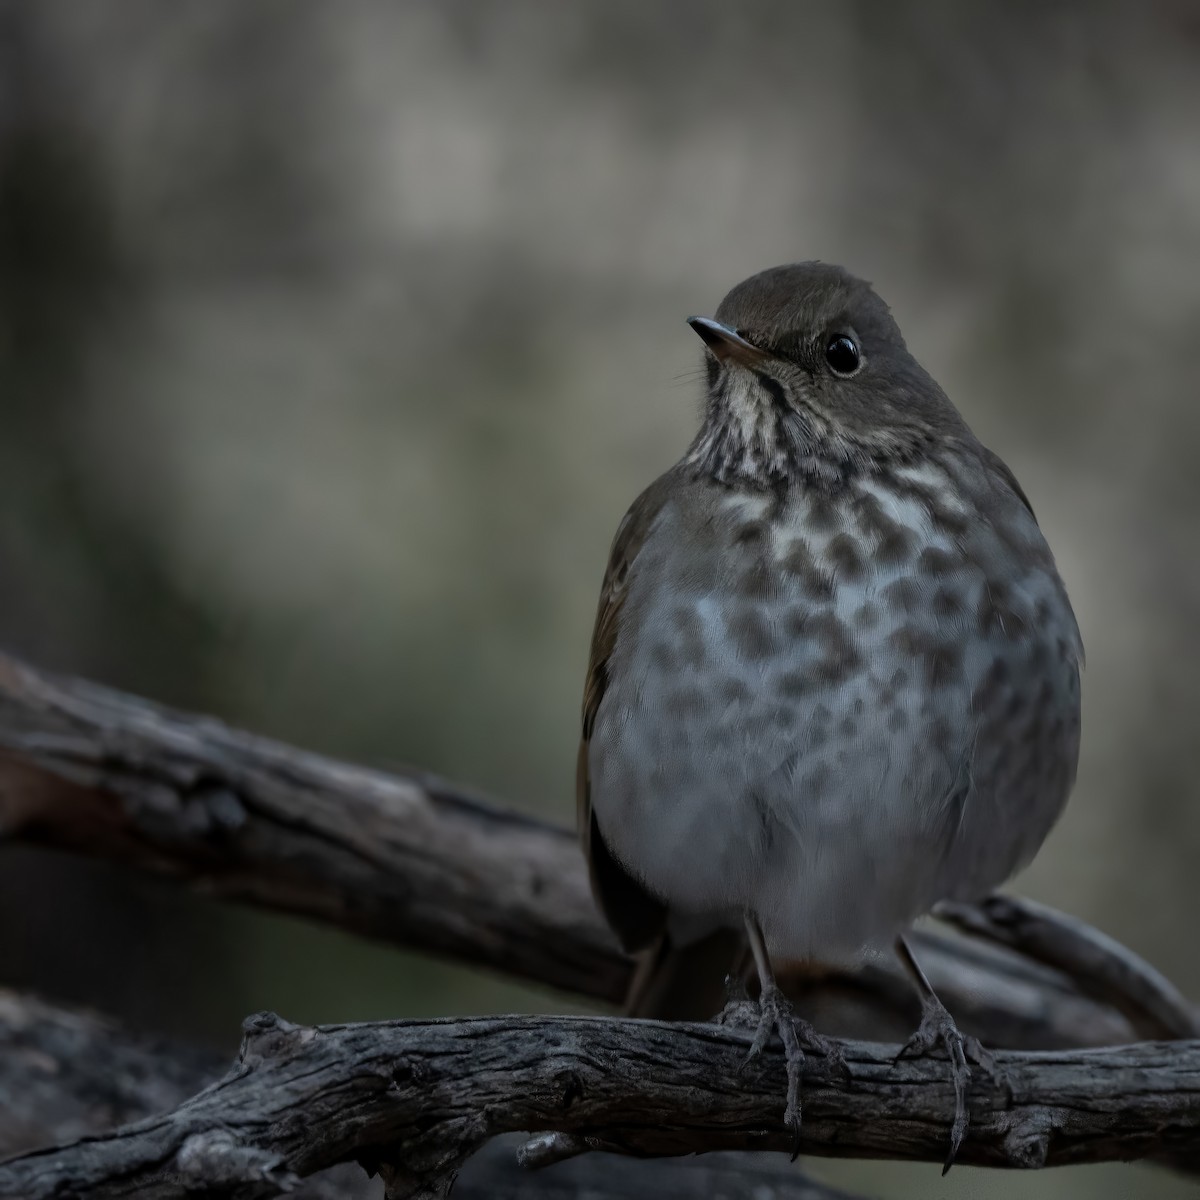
1099 966
417 1098
409 859
423 863
66 1074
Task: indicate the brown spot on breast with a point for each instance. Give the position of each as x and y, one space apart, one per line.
872 520
940 735
686 702
758 582
816 581
816 780
939 658
937 562
894 543
798 622
841 653
902 595
947 519
795 685
990 688
845 555
896 547
899 680
663 658
867 616
897 720
752 533
998 613
750 633
947 602
823 515
943 664
734 691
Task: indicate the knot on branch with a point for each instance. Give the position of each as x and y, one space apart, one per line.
266 1035
216 1158
1027 1143
214 811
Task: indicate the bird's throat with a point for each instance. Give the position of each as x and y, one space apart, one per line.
752 435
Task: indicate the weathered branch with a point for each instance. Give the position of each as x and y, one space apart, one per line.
404 858
416 1098
416 861
1099 966
66 1074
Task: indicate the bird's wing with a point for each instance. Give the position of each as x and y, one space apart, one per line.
997 464
637 917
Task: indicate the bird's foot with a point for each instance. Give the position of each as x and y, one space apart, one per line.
774 1012
937 1028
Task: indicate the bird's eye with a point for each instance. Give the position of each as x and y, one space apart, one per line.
842 355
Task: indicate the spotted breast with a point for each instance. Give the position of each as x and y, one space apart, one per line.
835 706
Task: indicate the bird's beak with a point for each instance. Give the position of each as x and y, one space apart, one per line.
726 343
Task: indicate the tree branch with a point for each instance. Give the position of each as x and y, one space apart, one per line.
1099 966
66 1074
409 859
420 862
417 1098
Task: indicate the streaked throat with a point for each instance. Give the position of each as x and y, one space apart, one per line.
751 435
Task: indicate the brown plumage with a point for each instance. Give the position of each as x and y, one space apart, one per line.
834 674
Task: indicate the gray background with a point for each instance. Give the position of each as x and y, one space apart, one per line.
336 338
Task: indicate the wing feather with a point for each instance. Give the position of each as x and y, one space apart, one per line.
637 917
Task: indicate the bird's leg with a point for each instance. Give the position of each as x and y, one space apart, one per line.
938 1028
776 1013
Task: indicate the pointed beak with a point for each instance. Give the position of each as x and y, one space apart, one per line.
726 343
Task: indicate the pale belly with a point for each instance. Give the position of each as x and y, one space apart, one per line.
833 752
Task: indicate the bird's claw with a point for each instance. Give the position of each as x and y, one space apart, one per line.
774 1012
937 1028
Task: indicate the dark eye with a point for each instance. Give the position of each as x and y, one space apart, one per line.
842 355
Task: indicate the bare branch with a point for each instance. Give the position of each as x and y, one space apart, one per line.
1099 966
413 860
418 1097
408 859
65 1074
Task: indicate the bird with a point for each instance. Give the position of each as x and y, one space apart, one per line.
834 674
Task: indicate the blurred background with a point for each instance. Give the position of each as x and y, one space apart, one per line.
335 340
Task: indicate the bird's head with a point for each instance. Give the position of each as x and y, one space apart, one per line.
808 374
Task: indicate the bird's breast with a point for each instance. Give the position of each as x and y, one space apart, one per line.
805 689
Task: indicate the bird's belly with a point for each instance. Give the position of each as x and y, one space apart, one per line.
837 766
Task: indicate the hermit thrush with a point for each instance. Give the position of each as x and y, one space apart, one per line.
834 676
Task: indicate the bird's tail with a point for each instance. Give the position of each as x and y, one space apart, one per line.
686 983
